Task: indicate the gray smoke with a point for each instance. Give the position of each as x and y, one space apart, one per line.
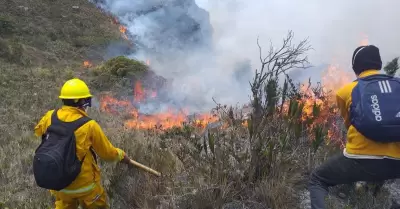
208 47
177 37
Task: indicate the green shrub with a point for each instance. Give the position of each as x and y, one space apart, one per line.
121 67
117 73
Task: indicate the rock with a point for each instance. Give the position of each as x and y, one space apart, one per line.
394 193
395 205
360 186
23 7
305 202
342 195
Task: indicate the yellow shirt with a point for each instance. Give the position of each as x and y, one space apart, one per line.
88 135
356 143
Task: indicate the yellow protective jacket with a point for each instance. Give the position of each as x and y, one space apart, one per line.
356 143
88 135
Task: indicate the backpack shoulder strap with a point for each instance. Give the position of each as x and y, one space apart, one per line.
79 122
54 118
74 125
56 126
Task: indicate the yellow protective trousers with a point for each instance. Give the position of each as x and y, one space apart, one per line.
90 197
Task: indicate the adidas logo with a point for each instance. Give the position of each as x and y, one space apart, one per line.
375 108
385 86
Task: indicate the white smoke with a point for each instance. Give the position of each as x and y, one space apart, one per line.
335 28
203 67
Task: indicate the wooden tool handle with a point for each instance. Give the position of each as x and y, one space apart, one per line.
145 168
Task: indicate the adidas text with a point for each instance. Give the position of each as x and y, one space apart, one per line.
375 108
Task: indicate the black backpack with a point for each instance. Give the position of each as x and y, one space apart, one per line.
55 164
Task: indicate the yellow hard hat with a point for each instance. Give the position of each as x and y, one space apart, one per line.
74 89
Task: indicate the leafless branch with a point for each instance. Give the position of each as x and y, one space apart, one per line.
265 92
279 61
287 57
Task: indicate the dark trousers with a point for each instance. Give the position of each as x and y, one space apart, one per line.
342 170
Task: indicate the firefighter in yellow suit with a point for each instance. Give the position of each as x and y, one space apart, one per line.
86 190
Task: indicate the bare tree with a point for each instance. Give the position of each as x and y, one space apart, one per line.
266 94
278 62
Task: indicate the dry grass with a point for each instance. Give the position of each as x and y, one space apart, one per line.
52 32
26 94
194 178
45 44
41 41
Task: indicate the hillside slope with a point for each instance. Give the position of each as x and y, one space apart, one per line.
42 43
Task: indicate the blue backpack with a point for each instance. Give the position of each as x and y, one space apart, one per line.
375 108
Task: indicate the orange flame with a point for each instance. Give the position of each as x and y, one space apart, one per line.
138 92
333 78
162 121
108 102
122 29
87 64
364 41
245 123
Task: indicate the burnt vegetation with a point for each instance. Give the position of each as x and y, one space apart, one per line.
261 160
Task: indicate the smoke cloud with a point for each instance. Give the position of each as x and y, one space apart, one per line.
334 28
208 48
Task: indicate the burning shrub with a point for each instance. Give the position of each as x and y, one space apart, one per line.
231 162
228 162
142 97
269 131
